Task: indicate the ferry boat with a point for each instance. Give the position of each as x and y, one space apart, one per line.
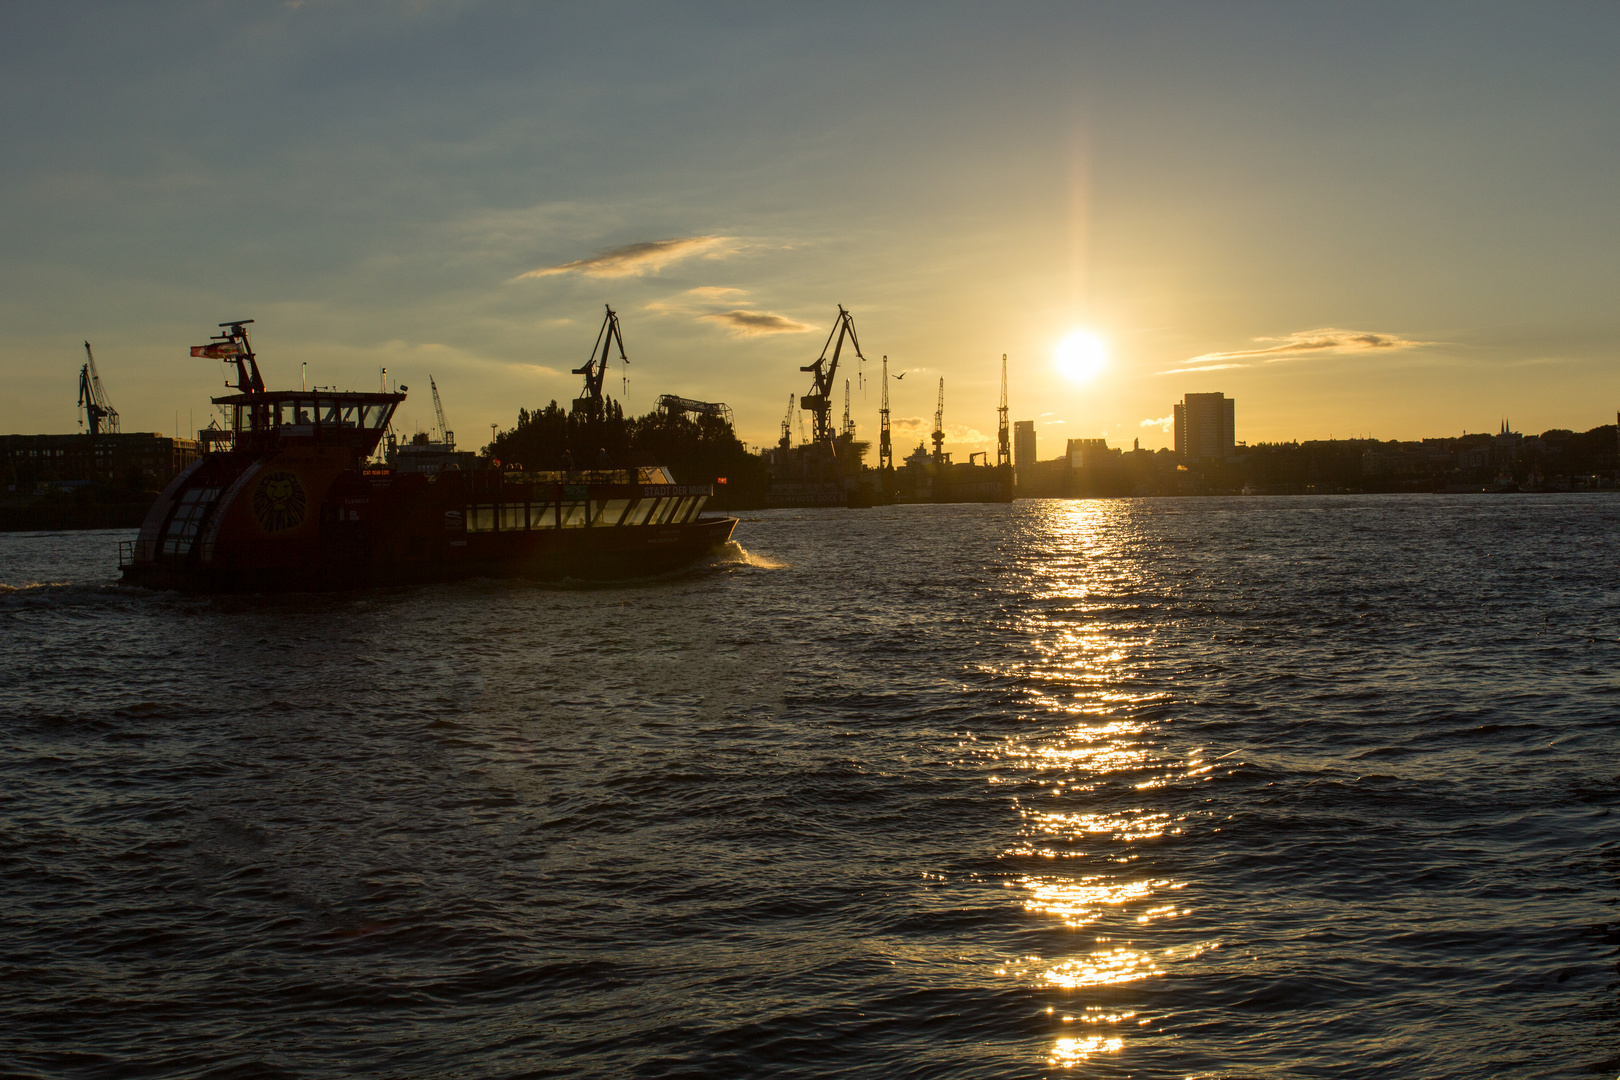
287 499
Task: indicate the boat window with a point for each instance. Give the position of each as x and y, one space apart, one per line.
512 517
181 531
609 512
303 412
638 513
664 516
657 510
698 509
333 416
573 515
542 515
684 508
481 518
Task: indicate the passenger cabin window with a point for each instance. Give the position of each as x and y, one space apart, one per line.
573 515
638 513
514 517
481 518
542 516
181 532
608 513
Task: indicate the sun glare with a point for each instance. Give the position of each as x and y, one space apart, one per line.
1081 356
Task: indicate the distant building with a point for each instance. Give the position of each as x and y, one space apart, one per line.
1023 450
1092 454
26 460
1204 427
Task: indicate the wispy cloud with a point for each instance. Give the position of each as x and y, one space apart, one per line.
1164 423
638 260
1203 367
1328 340
755 323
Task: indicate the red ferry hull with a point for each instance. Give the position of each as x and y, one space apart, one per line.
308 520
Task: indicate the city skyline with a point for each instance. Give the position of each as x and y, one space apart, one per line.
1405 234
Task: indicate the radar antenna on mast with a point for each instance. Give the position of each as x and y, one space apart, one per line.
595 369
233 346
98 410
446 436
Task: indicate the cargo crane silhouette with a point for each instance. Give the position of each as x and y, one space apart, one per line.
446 436
98 410
849 425
595 369
787 428
823 372
938 434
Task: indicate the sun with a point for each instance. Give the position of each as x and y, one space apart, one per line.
1081 356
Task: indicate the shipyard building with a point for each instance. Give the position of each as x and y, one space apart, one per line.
66 460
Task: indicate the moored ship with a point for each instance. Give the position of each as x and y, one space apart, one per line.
286 500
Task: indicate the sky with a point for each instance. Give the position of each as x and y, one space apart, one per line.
1358 220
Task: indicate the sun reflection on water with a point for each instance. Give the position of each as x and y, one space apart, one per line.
1069 1052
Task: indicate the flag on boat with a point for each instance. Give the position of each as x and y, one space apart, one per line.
219 350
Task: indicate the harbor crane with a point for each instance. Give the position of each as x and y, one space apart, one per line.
819 401
446 436
849 425
1003 451
787 428
885 446
938 434
595 369
98 410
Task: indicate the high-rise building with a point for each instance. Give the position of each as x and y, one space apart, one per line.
1204 427
1023 451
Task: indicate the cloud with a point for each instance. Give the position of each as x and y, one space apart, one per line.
1164 422
1204 367
755 323
638 260
1328 340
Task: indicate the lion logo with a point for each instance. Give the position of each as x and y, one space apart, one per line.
279 502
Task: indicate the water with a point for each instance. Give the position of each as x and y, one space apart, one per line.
1162 788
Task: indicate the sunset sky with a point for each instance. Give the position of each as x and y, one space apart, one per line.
1358 219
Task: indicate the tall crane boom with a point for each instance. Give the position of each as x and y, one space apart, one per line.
818 402
1003 450
446 436
787 427
595 369
938 434
885 447
98 410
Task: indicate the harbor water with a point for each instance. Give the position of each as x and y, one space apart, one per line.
1263 787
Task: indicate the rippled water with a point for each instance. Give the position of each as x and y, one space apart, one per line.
1163 788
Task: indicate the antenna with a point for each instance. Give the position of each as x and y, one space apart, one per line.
1003 451
885 447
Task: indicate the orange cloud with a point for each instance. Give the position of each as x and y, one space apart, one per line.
637 260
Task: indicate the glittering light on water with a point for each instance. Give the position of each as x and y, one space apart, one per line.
1108 967
1069 1052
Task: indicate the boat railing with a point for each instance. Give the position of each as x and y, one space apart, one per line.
126 553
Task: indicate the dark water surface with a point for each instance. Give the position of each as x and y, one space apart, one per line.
1163 788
